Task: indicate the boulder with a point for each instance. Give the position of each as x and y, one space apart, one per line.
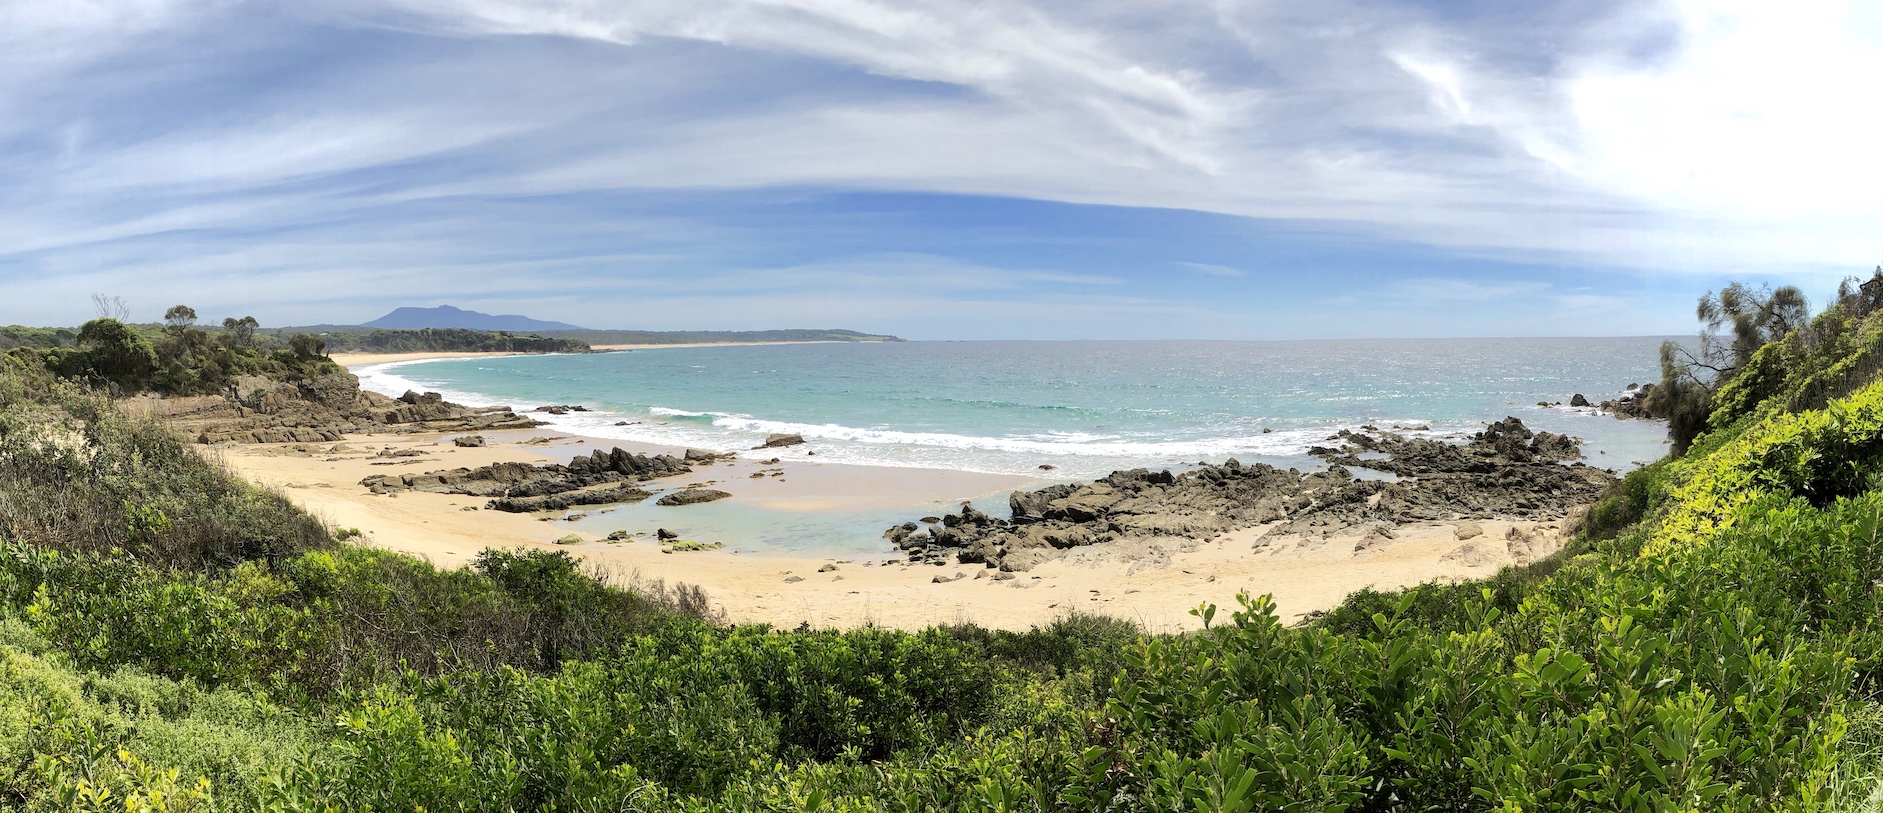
1578 401
1470 554
1529 545
781 440
663 533
1467 530
469 441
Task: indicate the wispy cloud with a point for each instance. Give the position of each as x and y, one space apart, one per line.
145 144
1211 269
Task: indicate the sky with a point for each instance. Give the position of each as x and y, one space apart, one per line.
1024 169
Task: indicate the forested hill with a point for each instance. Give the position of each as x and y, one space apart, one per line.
1711 638
438 339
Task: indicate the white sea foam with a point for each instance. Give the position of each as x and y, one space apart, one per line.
1072 452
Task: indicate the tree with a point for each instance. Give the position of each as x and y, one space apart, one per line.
180 318
116 352
1736 322
307 347
111 307
241 331
1860 298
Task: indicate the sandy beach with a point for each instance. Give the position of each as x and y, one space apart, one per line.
1153 584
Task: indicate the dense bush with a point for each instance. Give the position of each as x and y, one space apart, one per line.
77 475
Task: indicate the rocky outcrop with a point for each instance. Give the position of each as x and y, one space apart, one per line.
599 495
326 405
1632 404
780 440
692 496
594 479
468 442
1506 471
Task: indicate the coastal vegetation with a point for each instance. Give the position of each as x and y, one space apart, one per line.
172 638
444 340
181 357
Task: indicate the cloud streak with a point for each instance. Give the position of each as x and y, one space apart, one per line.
398 139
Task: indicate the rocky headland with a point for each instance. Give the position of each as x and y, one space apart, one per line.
1503 472
319 408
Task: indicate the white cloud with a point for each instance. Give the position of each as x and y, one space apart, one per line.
1720 137
1212 269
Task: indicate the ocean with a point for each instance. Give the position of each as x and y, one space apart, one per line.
1085 408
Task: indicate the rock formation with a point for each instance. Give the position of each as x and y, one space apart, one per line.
1632 404
1506 471
692 496
597 478
328 405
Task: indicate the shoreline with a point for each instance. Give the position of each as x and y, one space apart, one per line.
1152 582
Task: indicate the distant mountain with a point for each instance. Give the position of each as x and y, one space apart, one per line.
447 316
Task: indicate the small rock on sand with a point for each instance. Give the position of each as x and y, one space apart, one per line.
1467 530
469 441
780 440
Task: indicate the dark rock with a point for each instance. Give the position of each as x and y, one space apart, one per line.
780 440
1506 471
1578 401
594 479
600 495
663 533
469 441
692 496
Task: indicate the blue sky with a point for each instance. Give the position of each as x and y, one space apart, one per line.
1023 169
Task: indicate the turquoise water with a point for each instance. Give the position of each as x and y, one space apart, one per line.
1086 408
